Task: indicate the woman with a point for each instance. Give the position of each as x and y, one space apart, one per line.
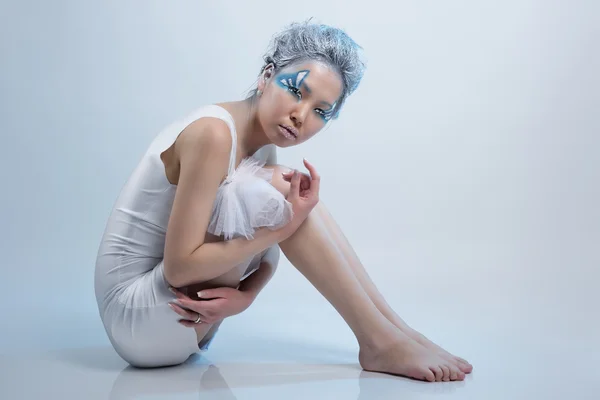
164 231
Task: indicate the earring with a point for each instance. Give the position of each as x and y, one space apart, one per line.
258 93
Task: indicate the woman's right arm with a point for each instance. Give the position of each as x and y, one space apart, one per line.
203 150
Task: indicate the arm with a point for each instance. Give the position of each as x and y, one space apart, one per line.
259 279
214 259
217 304
203 151
233 255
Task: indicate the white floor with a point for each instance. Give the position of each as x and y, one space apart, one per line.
526 316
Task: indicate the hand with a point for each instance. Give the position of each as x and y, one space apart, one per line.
224 302
303 194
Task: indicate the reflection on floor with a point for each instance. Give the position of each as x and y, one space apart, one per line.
526 320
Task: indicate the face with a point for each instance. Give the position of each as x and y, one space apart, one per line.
299 99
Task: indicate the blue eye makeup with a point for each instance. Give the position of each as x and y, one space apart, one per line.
293 82
326 115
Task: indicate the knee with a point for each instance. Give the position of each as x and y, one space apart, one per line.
277 181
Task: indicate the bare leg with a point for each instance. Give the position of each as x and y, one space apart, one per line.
230 278
363 277
383 347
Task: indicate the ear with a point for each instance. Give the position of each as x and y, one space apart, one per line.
265 76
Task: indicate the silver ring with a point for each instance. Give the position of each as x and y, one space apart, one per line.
197 321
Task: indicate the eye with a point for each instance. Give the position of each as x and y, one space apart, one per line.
296 91
326 115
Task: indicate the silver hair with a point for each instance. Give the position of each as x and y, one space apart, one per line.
305 41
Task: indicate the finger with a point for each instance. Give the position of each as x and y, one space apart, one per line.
311 168
212 293
315 183
192 324
289 174
193 305
180 296
178 293
204 307
189 315
303 177
305 183
187 323
295 184
203 320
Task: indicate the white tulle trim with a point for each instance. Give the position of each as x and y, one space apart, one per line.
247 201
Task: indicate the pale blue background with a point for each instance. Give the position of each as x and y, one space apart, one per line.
464 170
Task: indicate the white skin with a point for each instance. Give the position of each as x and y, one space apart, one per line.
318 248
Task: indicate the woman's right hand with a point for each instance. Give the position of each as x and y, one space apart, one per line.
303 194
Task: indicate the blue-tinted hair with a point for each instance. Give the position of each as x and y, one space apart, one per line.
305 41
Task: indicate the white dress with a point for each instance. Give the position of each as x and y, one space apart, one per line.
131 291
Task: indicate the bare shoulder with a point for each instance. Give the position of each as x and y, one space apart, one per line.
203 136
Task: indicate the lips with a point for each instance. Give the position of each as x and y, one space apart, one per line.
290 129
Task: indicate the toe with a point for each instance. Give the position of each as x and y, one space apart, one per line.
453 372
465 367
428 375
439 374
462 360
446 371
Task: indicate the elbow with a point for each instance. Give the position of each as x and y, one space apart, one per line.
173 273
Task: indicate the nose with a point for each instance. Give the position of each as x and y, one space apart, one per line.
299 115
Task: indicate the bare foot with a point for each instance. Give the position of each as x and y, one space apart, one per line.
462 364
403 356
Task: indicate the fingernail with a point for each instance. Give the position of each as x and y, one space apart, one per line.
172 290
199 294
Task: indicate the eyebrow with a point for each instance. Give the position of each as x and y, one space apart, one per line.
326 103
307 88
310 91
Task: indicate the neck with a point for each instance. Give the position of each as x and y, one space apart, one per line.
251 136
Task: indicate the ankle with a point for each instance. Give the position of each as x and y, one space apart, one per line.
380 340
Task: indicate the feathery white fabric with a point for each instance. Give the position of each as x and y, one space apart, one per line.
246 201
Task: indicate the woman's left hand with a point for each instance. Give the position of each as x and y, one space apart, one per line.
305 180
224 302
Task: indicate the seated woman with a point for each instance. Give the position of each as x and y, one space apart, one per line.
158 239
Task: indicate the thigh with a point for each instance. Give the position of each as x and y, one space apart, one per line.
142 327
231 278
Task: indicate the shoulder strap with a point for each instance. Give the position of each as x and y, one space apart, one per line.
228 118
